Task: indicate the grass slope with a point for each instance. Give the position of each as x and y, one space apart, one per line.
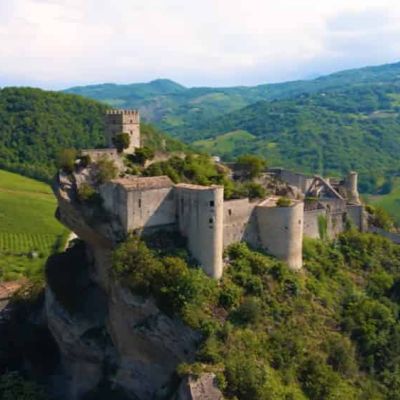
27 224
224 145
389 202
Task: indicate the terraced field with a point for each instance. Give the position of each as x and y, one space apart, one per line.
29 233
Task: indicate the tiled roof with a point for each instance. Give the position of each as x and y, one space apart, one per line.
144 182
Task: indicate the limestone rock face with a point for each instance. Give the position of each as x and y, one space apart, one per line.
121 339
150 344
201 388
82 358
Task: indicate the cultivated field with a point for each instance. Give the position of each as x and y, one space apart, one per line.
28 230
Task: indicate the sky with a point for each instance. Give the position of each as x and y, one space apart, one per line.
56 44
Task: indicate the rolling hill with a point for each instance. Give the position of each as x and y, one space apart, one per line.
176 108
35 124
347 120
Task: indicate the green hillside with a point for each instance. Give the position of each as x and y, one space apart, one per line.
36 124
27 224
328 133
225 145
176 108
389 202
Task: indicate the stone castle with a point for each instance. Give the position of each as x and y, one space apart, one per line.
322 207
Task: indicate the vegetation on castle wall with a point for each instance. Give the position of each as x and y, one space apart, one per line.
202 170
270 333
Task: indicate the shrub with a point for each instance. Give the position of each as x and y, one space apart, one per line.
85 160
86 192
66 160
142 154
249 311
121 141
14 387
254 190
283 202
105 170
252 165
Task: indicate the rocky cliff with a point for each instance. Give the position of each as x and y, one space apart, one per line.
109 337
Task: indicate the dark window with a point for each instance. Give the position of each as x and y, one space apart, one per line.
140 203
230 212
210 220
212 203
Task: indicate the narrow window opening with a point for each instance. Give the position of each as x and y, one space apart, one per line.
212 203
140 203
230 212
210 220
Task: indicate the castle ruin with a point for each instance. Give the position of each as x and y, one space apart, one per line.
322 208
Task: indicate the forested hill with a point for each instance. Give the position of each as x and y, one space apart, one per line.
175 108
36 124
329 132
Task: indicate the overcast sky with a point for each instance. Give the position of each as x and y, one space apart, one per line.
61 43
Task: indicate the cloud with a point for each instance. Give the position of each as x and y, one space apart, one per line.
58 43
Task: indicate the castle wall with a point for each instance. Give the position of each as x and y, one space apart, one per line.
357 217
240 222
281 232
336 223
311 225
115 202
150 208
200 220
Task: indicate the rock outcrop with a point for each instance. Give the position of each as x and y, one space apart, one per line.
202 388
121 339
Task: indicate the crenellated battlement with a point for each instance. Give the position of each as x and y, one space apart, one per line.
122 112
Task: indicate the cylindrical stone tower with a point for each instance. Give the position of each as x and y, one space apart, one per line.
352 188
281 231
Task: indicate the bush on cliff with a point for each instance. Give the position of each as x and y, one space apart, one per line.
270 333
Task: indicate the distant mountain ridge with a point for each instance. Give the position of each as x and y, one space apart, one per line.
176 108
346 120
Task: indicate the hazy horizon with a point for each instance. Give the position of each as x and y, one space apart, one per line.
56 44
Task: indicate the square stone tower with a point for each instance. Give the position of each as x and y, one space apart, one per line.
123 121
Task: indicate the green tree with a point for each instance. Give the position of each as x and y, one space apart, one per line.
106 170
66 159
121 141
252 165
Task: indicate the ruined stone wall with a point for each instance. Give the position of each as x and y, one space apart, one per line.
281 232
200 220
311 224
301 181
240 222
97 154
357 216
